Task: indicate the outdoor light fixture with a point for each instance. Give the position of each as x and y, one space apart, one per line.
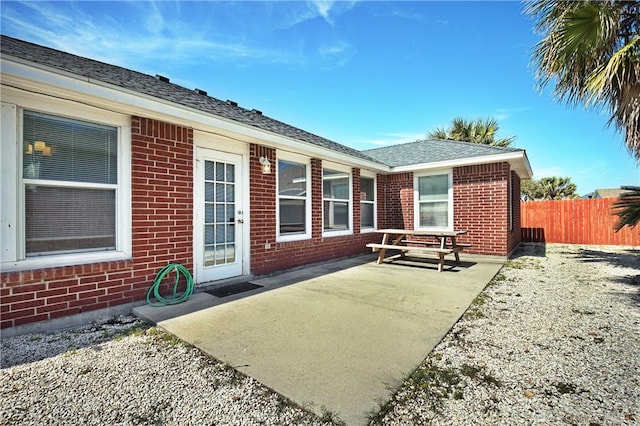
266 165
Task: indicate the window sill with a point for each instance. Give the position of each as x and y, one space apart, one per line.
292 238
329 234
63 260
367 230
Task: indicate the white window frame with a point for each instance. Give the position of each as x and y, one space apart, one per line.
326 165
370 175
12 209
299 159
449 199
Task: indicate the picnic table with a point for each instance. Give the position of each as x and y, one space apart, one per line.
404 240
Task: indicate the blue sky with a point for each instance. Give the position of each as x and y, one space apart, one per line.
362 73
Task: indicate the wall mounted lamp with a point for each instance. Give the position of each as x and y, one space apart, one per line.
39 147
266 165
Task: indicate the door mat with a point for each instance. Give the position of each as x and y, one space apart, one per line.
228 290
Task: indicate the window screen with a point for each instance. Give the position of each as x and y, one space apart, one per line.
70 180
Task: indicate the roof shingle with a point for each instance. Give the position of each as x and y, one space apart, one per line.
432 151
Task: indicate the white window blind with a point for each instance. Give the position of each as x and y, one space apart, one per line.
70 183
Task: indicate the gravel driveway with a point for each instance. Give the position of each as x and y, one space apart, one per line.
553 339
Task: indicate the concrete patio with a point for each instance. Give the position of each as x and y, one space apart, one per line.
338 337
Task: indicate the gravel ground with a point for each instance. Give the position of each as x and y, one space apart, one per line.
553 339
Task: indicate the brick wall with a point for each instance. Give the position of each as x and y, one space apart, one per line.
480 201
267 256
514 235
398 201
162 209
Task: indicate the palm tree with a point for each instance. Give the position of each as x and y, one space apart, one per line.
556 188
476 131
591 51
628 207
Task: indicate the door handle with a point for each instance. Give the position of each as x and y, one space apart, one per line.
240 220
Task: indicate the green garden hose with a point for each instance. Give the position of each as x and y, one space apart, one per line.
176 298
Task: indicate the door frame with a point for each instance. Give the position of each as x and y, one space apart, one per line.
206 144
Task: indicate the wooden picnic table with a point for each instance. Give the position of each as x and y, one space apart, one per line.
401 239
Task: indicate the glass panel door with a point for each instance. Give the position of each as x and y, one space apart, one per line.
219 216
220 207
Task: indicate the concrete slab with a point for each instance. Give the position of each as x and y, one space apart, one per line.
339 337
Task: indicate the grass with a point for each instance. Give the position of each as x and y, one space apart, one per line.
475 309
523 263
434 383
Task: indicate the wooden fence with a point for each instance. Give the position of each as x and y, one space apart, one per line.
575 222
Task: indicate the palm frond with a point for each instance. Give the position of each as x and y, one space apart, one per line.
628 208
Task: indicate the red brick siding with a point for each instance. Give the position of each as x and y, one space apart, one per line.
162 232
514 237
397 203
480 201
267 256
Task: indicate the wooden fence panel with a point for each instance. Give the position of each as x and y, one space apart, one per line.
575 222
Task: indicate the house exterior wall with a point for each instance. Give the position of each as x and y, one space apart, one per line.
481 206
162 231
269 256
398 201
162 192
514 236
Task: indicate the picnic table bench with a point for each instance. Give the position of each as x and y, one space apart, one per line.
402 242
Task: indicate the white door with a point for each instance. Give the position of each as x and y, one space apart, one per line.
219 215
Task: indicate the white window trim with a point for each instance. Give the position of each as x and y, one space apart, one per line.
370 175
338 168
299 159
416 200
13 256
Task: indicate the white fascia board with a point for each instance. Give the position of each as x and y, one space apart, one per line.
518 161
29 76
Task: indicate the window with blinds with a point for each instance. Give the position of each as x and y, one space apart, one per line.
70 171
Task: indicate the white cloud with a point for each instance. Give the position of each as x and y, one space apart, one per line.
388 139
164 32
502 114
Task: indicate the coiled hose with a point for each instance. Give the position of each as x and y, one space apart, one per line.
176 297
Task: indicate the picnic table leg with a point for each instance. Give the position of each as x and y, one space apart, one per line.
441 262
453 244
397 242
385 240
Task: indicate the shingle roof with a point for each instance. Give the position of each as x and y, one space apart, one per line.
152 86
432 151
609 192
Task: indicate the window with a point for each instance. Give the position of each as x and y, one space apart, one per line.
70 177
67 194
293 200
336 201
434 201
367 203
